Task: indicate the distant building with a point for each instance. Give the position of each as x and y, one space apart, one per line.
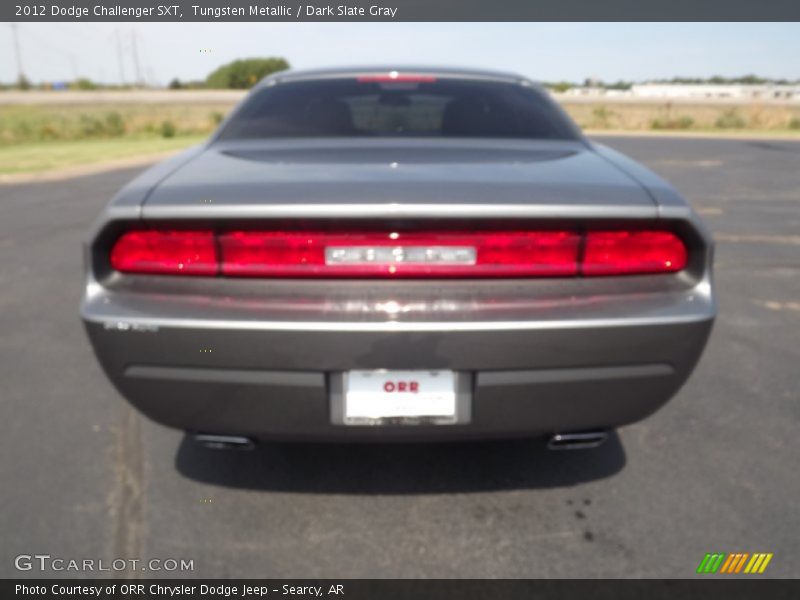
687 91
712 91
595 91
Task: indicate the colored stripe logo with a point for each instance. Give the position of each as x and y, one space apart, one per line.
737 562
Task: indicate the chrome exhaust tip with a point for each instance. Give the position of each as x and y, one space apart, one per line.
224 442
577 441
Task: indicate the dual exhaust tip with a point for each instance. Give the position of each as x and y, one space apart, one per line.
224 442
577 441
560 441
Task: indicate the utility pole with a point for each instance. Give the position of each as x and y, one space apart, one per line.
20 72
119 59
136 59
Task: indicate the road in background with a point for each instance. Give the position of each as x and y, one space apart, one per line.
83 476
116 97
201 96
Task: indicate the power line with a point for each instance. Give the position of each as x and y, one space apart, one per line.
42 42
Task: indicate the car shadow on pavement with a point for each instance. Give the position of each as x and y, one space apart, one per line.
399 468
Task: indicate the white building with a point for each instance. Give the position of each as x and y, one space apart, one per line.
713 91
689 92
596 91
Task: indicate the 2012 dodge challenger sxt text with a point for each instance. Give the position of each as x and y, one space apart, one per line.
381 254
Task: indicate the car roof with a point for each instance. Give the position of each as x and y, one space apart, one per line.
353 71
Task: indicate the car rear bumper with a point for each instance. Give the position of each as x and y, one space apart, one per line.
236 365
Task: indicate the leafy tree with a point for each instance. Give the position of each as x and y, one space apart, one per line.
83 83
719 80
245 73
619 85
560 86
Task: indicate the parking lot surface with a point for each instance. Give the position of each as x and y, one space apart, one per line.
84 476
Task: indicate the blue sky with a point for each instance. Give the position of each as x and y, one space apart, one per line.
545 51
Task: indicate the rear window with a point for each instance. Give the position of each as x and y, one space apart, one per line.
427 107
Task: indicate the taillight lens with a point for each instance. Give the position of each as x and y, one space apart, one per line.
398 254
631 252
166 252
441 254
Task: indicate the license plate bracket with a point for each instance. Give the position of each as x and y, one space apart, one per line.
386 397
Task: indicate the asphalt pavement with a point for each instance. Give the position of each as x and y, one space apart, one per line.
85 477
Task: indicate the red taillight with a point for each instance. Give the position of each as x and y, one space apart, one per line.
364 254
166 252
440 254
630 252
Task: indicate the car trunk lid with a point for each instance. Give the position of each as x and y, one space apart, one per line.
419 177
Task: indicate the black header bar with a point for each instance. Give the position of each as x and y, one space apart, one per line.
400 10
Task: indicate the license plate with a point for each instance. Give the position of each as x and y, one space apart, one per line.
400 397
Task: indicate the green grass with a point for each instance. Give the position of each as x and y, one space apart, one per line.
37 157
26 123
722 118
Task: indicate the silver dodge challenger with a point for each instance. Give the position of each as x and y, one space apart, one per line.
389 254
